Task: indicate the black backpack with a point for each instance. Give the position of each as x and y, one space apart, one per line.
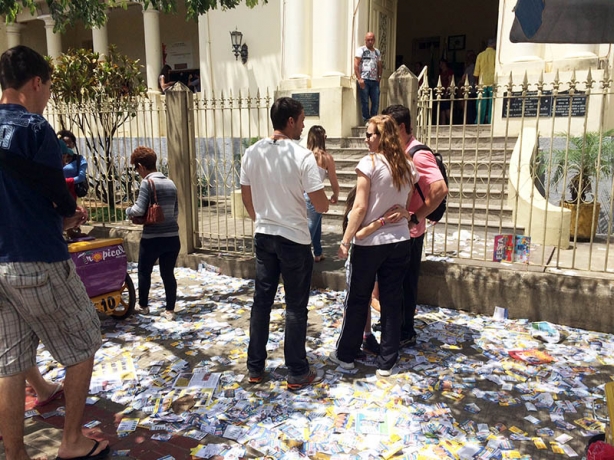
438 213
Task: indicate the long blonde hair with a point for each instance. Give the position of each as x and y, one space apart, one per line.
390 146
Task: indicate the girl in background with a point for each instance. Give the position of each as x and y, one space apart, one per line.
316 142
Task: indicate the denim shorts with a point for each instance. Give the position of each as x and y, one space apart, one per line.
44 302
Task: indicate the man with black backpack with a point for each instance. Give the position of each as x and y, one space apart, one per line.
427 203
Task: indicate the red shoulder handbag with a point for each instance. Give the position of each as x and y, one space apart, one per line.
154 214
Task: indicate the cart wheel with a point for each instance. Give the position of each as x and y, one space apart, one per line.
128 300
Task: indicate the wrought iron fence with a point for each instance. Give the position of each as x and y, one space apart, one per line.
226 125
106 138
505 178
549 144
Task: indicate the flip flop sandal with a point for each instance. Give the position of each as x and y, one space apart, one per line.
58 393
100 455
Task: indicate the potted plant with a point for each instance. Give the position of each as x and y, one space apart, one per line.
585 158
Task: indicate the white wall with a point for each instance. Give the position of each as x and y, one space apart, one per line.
261 28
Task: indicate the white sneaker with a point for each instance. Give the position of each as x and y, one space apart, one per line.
342 364
383 372
142 310
169 315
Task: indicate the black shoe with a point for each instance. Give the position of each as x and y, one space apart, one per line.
407 340
377 327
296 383
370 344
256 376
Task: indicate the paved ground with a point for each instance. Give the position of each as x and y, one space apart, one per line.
457 394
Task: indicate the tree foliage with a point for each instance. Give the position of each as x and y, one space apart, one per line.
97 96
92 13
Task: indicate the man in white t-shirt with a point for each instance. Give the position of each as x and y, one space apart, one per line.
274 174
368 71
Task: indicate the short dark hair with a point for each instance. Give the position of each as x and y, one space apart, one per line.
284 108
400 114
66 133
19 65
144 156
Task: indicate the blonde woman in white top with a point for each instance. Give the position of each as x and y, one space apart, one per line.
316 142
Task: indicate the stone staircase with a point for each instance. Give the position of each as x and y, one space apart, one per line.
477 176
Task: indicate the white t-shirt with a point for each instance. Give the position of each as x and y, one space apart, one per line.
278 173
383 195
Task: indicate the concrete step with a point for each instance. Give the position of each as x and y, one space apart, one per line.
346 142
494 193
482 209
443 131
494 223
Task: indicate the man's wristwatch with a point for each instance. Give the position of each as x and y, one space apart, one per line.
414 219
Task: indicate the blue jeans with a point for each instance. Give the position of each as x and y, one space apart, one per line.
370 91
314 221
276 255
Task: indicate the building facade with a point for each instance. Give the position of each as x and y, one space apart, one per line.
306 48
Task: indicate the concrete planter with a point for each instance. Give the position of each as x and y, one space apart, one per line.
587 221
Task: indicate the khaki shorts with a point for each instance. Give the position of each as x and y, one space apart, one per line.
46 302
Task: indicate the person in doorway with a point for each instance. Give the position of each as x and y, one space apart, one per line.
41 297
164 79
385 179
467 86
485 74
368 70
316 142
434 189
275 172
160 241
445 77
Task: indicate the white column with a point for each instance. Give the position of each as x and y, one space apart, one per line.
100 37
54 41
330 38
204 50
296 39
153 46
13 34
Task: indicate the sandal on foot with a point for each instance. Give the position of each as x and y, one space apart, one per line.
90 455
57 393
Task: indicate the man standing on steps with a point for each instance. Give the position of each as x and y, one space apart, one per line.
434 189
275 172
368 71
484 72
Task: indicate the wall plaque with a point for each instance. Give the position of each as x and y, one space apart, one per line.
310 101
513 105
